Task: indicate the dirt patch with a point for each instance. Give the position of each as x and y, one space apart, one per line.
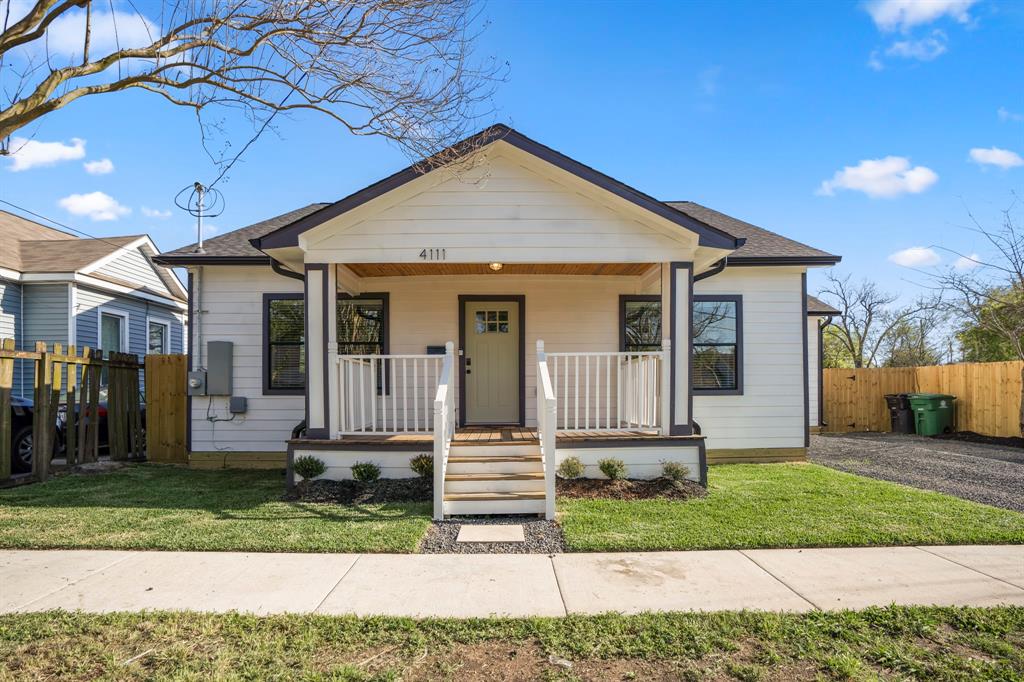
629 489
355 492
972 437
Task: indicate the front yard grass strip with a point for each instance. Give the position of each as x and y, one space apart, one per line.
172 508
899 642
786 505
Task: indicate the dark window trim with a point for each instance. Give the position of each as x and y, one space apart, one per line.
634 298
738 300
467 298
267 389
385 332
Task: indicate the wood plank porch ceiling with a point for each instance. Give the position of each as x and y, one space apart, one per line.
420 269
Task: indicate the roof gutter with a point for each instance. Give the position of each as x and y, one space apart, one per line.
717 268
280 269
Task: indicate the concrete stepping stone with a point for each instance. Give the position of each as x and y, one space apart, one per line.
490 533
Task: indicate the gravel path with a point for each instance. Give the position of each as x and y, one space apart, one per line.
982 473
542 537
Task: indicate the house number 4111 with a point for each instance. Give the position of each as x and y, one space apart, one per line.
432 254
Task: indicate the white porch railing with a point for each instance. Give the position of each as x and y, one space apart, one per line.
387 394
444 426
607 391
546 423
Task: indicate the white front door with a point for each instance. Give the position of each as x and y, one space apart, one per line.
492 362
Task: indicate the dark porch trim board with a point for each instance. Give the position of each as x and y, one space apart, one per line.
463 300
674 428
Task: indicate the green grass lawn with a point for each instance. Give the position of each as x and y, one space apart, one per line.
786 505
890 643
170 508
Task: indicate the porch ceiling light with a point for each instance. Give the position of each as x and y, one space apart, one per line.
496 267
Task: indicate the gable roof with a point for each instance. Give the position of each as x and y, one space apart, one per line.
28 247
708 235
762 246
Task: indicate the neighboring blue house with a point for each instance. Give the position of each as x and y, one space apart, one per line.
103 293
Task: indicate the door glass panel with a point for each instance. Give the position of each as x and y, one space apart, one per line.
492 322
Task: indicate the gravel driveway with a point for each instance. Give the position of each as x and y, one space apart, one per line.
982 473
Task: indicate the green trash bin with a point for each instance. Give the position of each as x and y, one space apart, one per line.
933 413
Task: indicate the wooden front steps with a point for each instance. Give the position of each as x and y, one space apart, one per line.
494 478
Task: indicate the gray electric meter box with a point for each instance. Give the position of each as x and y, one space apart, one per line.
218 367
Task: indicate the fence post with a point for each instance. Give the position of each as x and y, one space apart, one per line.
92 441
41 449
70 426
6 383
83 401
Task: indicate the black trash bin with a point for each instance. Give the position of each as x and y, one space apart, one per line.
901 417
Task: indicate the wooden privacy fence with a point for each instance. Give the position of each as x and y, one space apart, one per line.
165 397
78 378
988 395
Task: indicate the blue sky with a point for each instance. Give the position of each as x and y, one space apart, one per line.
754 109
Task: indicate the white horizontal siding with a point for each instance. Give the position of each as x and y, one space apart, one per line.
641 462
339 462
770 413
232 298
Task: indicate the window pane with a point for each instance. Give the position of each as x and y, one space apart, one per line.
111 333
714 322
287 367
157 338
360 326
643 325
714 367
286 321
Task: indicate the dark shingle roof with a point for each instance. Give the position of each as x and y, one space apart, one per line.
816 306
236 244
761 243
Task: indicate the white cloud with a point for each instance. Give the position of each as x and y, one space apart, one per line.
96 205
888 177
925 49
994 156
101 167
109 30
967 262
27 154
875 62
915 257
1005 114
903 15
155 213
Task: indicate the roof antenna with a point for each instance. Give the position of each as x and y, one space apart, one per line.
203 202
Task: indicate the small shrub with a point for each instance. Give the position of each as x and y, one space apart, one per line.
309 467
423 465
674 471
570 467
365 472
612 468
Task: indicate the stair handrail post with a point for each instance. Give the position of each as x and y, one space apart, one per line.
547 410
442 428
667 389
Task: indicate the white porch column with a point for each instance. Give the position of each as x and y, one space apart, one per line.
677 300
319 298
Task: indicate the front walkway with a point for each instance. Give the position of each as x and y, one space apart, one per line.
423 585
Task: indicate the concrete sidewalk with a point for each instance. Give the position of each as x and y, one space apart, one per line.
511 585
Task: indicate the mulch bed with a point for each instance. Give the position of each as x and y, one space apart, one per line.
629 489
972 437
355 492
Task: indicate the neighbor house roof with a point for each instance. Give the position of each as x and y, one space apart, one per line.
30 248
762 245
816 306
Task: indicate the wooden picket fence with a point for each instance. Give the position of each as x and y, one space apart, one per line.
988 395
77 376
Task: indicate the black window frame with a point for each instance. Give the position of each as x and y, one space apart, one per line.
385 331
267 299
738 301
636 298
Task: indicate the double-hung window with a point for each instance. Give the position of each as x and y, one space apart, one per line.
284 349
717 345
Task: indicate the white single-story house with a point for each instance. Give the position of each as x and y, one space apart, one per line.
501 313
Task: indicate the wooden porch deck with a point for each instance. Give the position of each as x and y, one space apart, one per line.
505 435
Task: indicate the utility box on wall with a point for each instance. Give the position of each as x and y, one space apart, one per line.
219 359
